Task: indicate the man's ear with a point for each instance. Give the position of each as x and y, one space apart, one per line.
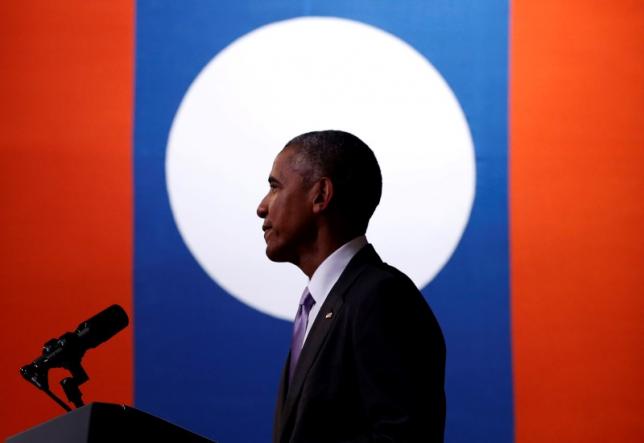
323 193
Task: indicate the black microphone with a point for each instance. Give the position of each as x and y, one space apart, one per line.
101 327
68 349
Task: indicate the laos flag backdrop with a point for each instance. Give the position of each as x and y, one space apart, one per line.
137 139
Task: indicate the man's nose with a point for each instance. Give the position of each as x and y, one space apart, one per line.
262 209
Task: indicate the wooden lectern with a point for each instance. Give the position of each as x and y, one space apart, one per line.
103 423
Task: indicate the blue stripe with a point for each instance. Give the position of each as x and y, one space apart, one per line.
197 360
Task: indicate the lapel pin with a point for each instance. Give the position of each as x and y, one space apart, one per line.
329 315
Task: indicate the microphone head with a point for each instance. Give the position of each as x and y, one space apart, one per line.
102 326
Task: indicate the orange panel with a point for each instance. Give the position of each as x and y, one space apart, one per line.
66 76
577 220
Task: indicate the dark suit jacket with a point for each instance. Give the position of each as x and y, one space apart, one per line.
372 368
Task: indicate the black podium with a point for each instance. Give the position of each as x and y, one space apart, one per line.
103 423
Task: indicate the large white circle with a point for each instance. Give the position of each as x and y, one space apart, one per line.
307 74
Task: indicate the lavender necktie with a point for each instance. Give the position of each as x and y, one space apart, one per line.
299 330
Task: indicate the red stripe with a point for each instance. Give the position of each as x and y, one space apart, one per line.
577 101
65 179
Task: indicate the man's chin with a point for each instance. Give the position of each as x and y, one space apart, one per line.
277 255
276 258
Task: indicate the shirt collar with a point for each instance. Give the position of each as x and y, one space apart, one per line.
329 271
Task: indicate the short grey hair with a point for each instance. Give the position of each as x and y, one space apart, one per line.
350 165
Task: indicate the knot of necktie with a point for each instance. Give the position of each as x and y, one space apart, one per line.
307 301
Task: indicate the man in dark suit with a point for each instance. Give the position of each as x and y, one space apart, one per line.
367 359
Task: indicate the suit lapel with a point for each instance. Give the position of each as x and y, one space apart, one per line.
281 398
320 329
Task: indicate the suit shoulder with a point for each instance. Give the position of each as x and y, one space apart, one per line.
384 296
379 284
385 276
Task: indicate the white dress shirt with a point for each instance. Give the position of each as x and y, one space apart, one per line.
328 273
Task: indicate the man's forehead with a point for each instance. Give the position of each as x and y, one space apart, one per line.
282 162
283 167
